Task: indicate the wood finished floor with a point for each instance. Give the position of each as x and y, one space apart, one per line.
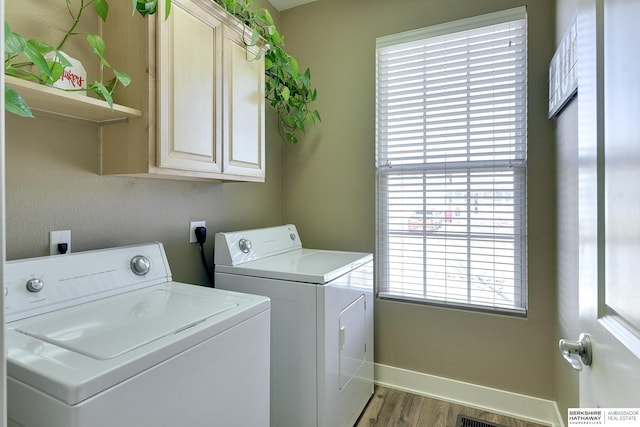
394 408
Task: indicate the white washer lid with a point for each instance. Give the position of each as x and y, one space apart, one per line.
106 330
72 377
302 265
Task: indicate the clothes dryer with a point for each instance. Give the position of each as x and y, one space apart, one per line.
321 322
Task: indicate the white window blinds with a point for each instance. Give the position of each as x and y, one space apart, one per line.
451 145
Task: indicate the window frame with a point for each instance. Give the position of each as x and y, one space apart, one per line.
384 170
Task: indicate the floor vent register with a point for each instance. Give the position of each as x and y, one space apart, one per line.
465 421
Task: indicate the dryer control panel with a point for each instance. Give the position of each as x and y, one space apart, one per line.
238 247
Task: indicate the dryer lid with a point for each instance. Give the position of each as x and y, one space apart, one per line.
303 265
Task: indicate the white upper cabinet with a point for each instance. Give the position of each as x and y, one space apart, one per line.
201 90
243 131
190 90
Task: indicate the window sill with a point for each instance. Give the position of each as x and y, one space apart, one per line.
500 311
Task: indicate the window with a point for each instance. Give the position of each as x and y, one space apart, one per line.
451 141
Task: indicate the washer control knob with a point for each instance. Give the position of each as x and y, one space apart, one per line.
244 245
35 285
140 265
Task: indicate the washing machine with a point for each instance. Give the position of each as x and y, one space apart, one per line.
321 322
105 338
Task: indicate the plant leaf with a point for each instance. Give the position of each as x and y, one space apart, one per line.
288 120
305 81
102 91
268 16
97 44
40 46
14 103
102 9
167 9
12 72
291 138
22 73
276 38
14 44
62 59
294 66
56 69
285 92
122 77
146 7
38 60
255 36
270 30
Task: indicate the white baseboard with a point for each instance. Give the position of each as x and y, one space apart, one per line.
515 405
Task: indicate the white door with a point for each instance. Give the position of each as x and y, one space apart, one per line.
609 191
3 388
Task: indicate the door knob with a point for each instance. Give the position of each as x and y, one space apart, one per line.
578 352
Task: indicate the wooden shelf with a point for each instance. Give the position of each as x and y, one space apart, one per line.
58 102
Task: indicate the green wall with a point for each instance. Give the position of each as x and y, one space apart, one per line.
329 189
52 180
326 186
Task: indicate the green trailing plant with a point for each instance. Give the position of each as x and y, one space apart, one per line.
47 72
150 7
287 90
36 68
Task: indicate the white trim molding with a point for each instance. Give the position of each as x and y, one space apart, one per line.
502 402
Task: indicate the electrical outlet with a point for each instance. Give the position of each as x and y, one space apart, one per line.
192 230
57 237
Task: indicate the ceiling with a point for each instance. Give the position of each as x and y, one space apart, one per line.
287 4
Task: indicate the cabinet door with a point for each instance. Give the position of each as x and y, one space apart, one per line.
243 133
189 56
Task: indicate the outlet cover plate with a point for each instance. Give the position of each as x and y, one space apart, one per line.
56 237
192 230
